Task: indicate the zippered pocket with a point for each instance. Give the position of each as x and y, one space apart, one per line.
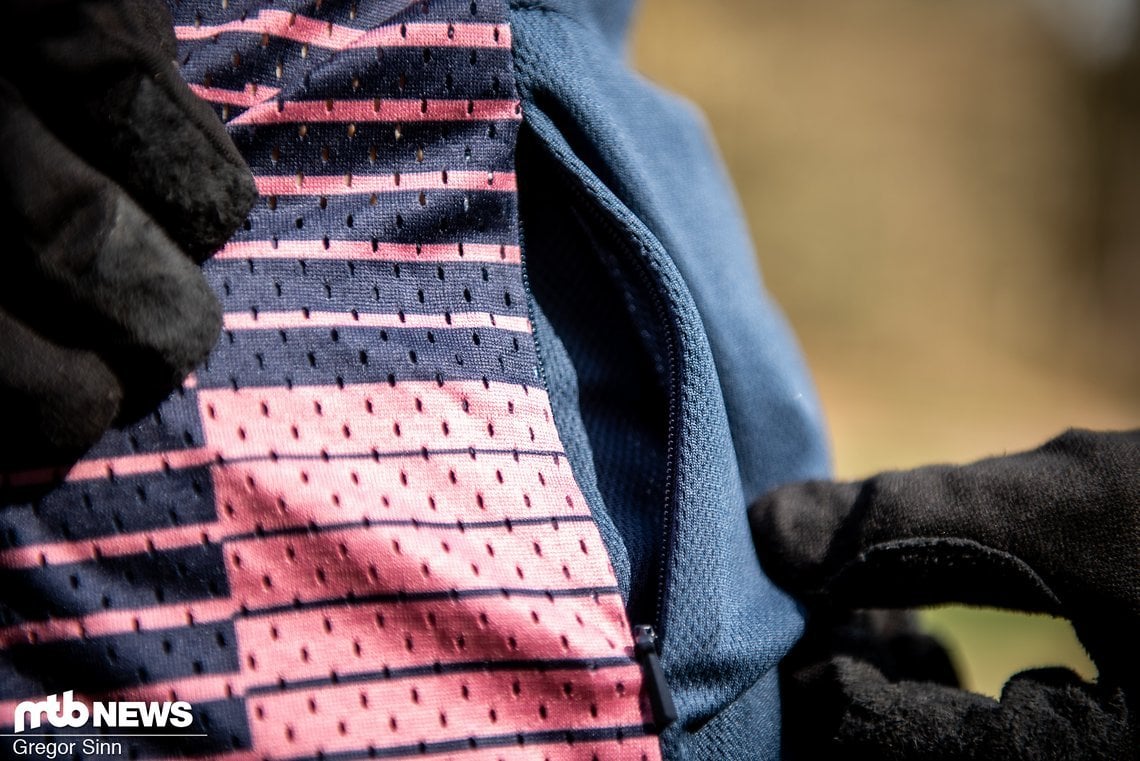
681 548
611 343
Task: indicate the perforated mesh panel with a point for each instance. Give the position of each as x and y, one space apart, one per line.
353 534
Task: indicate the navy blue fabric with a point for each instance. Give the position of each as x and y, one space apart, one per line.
642 201
130 658
181 497
374 287
483 215
114 583
428 75
324 356
175 425
444 145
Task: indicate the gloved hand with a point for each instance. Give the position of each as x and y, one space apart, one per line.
115 182
1053 530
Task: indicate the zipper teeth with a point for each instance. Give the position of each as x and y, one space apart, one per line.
672 352
671 449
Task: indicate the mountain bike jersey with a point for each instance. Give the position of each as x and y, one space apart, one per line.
414 500
353 533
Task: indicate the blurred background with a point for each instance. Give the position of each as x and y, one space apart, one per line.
945 199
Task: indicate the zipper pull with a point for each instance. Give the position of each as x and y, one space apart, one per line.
645 647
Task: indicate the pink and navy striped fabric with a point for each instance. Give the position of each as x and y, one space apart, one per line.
353 533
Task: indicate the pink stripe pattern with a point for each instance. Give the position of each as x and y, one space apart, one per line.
380 183
298 28
379 110
251 95
364 251
355 530
277 320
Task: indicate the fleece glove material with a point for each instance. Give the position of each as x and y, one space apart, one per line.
115 182
1053 530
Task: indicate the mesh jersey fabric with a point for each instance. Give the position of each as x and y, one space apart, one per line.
354 532
615 170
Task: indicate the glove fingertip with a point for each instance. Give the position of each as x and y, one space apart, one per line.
794 528
56 402
203 199
167 316
78 420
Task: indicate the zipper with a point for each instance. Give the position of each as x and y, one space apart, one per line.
647 642
647 647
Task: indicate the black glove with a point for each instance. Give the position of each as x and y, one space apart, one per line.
1054 530
115 182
